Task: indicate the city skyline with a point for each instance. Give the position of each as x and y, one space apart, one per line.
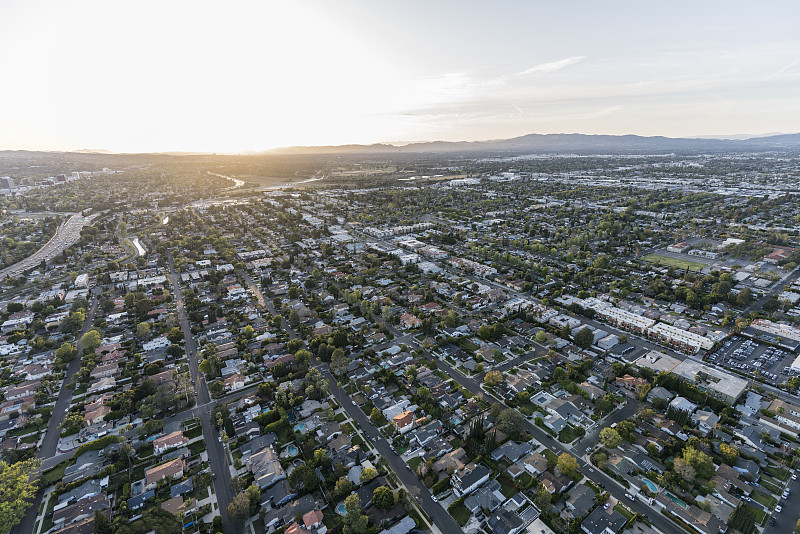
192 77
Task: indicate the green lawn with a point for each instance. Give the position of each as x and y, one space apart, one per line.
526 408
624 511
340 417
568 435
506 487
53 475
778 472
552 458
767 500
758 513
460 514
414 462
666 261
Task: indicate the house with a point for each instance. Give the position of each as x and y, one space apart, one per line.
409 321
266 467
170 441
683 404
95 416
172 469
630 382
452 460
505 522
489 498
469 478
81 510
511 451
579 501
404 421
535 464
705 420
600 521
278 495
233 382
313 519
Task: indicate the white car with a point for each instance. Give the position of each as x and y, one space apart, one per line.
794 477
778 509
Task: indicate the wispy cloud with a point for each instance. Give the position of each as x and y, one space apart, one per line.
545 68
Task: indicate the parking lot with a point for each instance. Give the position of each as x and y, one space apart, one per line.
755 359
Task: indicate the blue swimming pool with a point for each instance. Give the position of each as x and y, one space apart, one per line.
299 427
292 450
677 501
650 485
340 509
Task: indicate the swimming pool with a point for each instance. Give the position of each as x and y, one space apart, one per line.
299 427
650 485
340 509
677 501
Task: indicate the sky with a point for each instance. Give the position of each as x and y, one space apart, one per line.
240 76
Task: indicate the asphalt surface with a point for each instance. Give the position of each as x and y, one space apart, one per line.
67 234
787 518
216 452
52 433
443 520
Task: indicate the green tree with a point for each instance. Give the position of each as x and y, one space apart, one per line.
355 522
584 338
700 461
510 422
367 474
102 525
18 485
339 362
610 438
342 487
567 464
90 341
143 330
377 417
383 497
729 453
239 508
303 478
493 378
542 500
66 352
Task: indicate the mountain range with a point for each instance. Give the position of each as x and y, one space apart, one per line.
567 143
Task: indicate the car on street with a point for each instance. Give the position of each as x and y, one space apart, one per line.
778 509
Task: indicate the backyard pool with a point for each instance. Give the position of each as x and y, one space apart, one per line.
289 451
677 501
340 509
650 485
299 427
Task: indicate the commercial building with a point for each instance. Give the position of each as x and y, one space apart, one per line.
679 339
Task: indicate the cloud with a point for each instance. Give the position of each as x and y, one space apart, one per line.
546 68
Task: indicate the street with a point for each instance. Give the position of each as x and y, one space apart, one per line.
53 432
216 452
443 520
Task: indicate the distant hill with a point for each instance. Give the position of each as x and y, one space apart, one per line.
567 143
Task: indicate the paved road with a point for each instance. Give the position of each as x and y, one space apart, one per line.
779 287
611 486
67 234
52 433
592 438
268 305
443 520
786 520
216 453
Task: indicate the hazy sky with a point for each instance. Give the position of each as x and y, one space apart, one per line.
232 76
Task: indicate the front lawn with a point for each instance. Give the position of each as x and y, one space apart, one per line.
767 500
460 514
414 462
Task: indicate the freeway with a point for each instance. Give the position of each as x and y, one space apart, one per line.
216 453
67 234
47 449
443 520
